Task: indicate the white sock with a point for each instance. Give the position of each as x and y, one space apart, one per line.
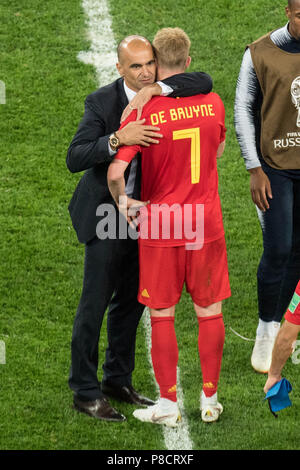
267 328
263 327
167 406
276 327
208 400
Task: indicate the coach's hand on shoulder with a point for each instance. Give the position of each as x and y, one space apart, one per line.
260 188
137 133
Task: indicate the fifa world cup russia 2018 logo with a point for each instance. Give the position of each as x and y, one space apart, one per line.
295 92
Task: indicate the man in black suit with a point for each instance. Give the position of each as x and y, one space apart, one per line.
111 265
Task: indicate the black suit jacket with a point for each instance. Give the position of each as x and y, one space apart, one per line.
89 148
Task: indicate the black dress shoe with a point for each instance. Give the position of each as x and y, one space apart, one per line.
125 393
99 409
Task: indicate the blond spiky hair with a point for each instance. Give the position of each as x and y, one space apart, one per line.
172 47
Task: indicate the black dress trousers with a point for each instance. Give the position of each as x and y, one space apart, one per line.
110 278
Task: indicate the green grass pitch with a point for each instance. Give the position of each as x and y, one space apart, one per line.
42 262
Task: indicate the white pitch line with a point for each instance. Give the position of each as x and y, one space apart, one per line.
102 55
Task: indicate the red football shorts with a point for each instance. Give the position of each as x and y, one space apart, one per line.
293 313
164 270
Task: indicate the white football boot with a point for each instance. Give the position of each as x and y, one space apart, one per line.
210 408
159 415
261 357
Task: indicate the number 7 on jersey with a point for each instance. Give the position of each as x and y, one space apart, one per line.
194 135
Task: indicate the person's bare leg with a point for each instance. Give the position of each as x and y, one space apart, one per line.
283 348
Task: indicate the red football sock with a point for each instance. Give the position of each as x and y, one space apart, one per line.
164 355
210 343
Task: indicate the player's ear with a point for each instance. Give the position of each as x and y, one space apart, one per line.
288 12
120 69
188 62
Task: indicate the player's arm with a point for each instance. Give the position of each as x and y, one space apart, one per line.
116 180
221 149
176 86
129 207
116 185
248 98
260 188
282 350
116 170
247 106
223 129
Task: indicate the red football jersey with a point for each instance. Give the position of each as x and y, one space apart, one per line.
293 313
179 175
